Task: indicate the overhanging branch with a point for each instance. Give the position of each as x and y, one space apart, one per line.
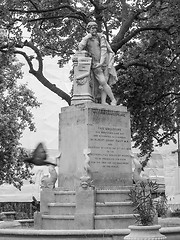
38 73
27 59
117 45
35 49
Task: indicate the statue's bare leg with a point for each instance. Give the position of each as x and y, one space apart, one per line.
103 97
102 81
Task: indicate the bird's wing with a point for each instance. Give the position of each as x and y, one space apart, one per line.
38 157
28 160
46 162
39 153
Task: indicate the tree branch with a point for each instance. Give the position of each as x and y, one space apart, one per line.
127 20
152 4
52 87
93 3
160 140
117 45
74 16
35 49
163 96
27 59
45 10
133 63
124 9
126 23
39 74
34 5
82 16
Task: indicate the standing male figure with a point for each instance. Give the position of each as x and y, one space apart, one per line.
102 61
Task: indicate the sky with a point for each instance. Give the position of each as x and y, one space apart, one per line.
47 115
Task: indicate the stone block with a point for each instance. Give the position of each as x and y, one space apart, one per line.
102 130
82 84
37 220
85 208
46 196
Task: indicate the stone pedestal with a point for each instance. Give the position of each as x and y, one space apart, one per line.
82 84
38 220
47 196
94 171
95 140
85 208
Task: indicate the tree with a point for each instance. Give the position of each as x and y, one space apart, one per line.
144 34
16 102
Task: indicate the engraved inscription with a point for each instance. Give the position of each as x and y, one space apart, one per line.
109 146
109 118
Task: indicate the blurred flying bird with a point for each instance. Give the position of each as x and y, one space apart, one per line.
39 157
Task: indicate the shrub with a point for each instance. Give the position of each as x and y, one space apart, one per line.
141 195
161 206
24 210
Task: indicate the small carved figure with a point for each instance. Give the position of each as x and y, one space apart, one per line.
86 179
137 172
87 167
39 158
102 61
48 181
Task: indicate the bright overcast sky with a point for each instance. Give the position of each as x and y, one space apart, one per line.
46 117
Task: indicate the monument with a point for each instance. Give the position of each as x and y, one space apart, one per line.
100 133
95 167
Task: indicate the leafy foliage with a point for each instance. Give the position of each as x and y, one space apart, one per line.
161 206
16 102
141 195
24 210
175 213
144 34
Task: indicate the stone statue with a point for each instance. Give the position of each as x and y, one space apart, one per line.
86 179
102 61
137 172
48 181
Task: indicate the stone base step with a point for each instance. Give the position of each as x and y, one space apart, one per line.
112 195
66 222
65 196
111 208
58 222
120 221
61 208
119 195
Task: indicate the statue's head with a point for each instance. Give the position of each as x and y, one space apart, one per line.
90 25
